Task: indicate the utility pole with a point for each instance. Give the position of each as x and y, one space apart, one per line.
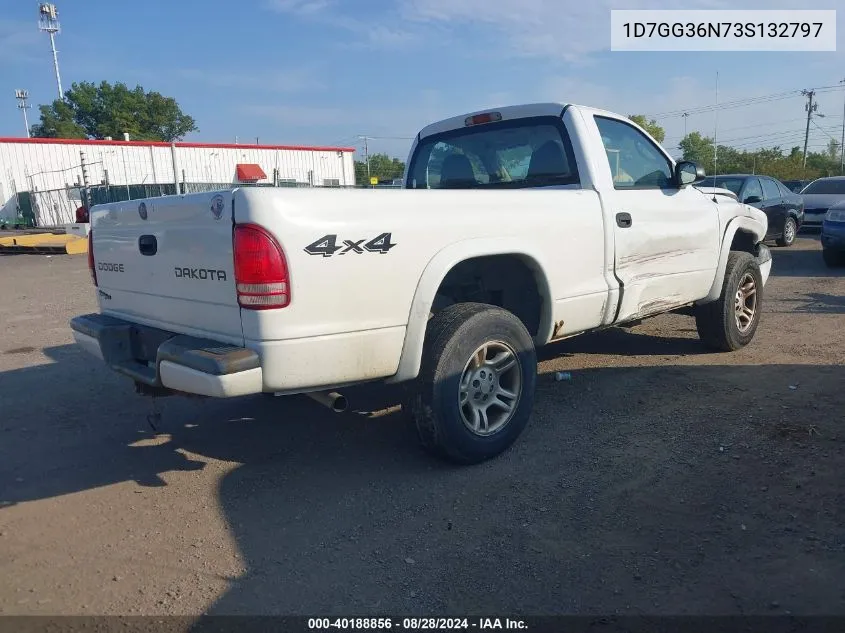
22 96
86 202
842 142
366 156
810 107
685 115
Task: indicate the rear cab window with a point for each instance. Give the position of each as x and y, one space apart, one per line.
514 154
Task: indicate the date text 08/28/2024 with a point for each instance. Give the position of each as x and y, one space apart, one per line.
416 624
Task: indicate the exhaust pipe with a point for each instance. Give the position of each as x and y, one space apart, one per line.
330 399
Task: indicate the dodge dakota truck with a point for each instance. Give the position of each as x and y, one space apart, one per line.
515 228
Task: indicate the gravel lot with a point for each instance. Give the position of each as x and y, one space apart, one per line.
660 479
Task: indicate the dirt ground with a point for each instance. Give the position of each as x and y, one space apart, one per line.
660 479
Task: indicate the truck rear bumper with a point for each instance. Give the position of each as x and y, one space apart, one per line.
162 359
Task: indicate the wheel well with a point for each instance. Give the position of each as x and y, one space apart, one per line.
743 241
507 281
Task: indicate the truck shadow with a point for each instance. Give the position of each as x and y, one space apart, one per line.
612 478
628 488
802 262
627 342
817 303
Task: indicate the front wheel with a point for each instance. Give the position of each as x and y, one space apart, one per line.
475 391
729 323
790 228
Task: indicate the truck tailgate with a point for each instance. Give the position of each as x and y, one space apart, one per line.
168 262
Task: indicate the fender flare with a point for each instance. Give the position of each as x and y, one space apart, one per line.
434 274
742 222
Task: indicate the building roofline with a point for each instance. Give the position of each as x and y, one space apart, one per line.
82 141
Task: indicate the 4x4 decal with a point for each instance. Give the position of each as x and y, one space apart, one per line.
328 246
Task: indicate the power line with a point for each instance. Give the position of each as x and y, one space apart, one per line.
826 132
727 105
739 103
746 127
390 138
782 135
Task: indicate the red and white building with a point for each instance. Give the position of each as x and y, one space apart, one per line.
39 165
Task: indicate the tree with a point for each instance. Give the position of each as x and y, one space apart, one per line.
699 149
833 149
649 126
769 161
381 166
92 111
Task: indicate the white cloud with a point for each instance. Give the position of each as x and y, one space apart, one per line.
300 7
561 41
296 115
381 31
285 81
549 29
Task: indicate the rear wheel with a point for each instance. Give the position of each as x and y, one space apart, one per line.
475 391
833 258
787 237
729 323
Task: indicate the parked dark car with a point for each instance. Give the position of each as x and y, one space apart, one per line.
795 186
833 236
819 196
784 208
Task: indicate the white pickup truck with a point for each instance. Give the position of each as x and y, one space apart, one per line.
517 227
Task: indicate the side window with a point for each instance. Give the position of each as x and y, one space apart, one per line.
752 189
784 190
770 189
635 162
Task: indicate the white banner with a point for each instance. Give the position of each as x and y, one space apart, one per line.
755 30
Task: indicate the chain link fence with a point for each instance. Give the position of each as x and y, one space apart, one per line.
57 207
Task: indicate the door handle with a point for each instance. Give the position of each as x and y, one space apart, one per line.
624 220
148 245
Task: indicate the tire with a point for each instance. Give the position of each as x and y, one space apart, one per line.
833 258
442 411
717 321
790 230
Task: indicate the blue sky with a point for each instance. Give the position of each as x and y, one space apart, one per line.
326 71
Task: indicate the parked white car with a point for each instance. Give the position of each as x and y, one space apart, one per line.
518 227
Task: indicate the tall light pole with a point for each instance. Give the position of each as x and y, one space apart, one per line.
22 96
48 22
686 116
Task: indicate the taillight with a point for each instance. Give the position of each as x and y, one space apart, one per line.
91 266
261 272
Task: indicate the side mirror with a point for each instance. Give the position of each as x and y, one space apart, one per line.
688 172
752 200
